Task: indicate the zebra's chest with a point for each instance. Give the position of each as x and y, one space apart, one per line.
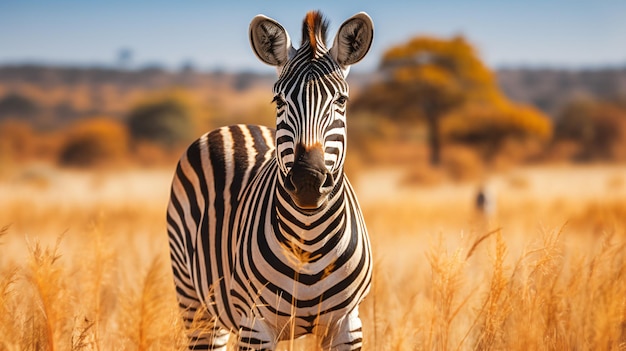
287 276
316 270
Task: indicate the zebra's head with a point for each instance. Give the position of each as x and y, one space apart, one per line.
310 96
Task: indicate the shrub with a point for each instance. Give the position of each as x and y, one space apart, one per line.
94 142
598 127
16 105
16 140
164 119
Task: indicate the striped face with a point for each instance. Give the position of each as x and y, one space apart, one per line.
310 96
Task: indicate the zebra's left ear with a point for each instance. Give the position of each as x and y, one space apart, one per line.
353 40
270 41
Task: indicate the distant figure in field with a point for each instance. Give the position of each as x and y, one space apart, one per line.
485 201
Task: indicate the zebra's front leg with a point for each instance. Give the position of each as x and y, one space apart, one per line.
214 339
203 333
255 334
346 334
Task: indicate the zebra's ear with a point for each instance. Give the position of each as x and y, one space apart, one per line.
353 40
270 41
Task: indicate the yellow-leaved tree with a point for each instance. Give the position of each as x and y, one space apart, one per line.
443 83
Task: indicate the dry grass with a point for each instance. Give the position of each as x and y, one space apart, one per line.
84 263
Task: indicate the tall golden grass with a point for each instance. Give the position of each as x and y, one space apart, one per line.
84 263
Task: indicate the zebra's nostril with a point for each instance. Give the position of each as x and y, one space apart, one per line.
289 185
328 184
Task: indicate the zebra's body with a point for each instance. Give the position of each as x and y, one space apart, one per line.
255 247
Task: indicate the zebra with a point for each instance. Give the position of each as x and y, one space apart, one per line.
267 239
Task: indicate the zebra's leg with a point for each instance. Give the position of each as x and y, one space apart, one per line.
254 334
346 334
202 331
211 338
214 338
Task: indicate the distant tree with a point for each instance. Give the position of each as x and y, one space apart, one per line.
427 79
65 111
243 81
164 119
575 121
18 106
124 58
188 67
488 126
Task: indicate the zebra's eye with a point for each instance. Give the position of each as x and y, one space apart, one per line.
341 100
280 102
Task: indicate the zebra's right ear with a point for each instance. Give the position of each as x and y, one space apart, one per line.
270 41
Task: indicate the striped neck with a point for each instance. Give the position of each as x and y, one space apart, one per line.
293 225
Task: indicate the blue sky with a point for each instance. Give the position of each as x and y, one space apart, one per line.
211 34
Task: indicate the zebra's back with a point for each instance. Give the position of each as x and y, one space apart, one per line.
210 179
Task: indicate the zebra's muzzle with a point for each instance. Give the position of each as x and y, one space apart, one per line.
309 188
309 182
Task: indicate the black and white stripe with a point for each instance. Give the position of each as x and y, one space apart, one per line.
246 257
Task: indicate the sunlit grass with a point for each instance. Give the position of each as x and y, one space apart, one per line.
84 265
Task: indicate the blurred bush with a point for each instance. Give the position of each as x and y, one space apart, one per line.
94 142
21 143
597 127
432 99
16 140
490 127
15 105
164 119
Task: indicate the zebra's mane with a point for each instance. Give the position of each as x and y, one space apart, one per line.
314 29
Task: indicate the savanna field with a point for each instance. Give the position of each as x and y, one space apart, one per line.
87 155
84 261
84 257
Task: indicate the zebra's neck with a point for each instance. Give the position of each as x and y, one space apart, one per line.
292 225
